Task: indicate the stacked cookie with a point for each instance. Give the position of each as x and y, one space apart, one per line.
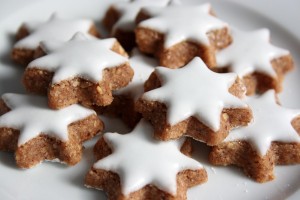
214 84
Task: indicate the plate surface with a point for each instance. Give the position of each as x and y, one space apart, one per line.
54 181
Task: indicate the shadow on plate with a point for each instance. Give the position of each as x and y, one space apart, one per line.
5 57
11 82
8 160
86 163
11 74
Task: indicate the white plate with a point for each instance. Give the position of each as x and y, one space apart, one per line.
55 181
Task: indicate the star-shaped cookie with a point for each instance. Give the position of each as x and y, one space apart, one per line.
120 19
271 138
191 100
255 60
31 34
36 133
138 165
177 33
81 70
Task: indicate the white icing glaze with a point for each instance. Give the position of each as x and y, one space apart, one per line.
271 123
250 52
31 115
54 29
140 160
143 66
194 90
129 11
180 23
154 11
79 57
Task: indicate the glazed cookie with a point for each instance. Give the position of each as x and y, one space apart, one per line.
193 101
30 34
36 133
136 166
259 64
272 138
176 34
120 19
125 98
79 71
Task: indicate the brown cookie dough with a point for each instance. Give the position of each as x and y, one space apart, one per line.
160 104
119 20
79 88
113 183
261 65
30 34
272 138
32 142
124 101
174 54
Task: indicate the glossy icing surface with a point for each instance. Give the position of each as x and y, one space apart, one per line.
80 57
180 23
194 90
271 122
140 160
250 52
54 29
31 115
